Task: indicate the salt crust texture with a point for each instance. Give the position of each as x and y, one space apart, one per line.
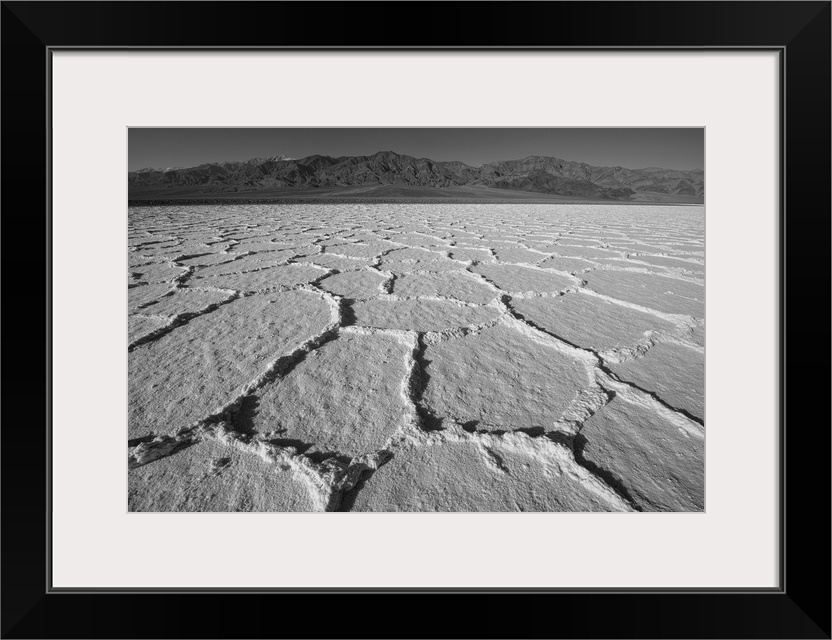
416 357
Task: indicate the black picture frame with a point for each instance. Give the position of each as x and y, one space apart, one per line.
798 608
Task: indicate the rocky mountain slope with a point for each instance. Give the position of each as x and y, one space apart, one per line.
535 174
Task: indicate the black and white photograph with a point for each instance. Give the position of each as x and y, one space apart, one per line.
416 319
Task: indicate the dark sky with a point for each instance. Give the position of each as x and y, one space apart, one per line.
631 148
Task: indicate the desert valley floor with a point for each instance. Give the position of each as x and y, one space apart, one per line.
416 357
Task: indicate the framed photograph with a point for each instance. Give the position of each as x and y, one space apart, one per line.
394 331
478 307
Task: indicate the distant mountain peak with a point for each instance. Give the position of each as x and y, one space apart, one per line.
537 174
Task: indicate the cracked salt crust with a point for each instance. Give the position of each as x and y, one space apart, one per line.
354 284
653 463
361 250
660 292
198 366
681 263
267 278
426 241
493 476
343 397
673 372
613 326
140 296
208 259
416 357
398 255
184 300
263 247
155 273
449 285
138 326
697 335
211 477
501 379
569 265
169 252
514 254
469 254
246 263
515 278
570 251
420 314
330 261
423 266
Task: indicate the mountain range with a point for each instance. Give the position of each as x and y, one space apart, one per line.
387 173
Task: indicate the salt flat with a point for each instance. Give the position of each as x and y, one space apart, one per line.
416 357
